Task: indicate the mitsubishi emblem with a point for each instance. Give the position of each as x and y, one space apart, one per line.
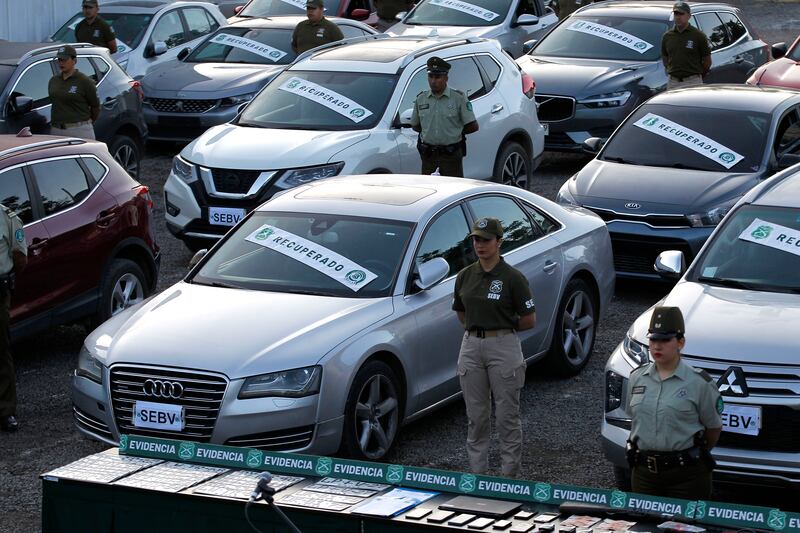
733 383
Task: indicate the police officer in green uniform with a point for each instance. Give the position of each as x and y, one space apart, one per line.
685 51
93 29
388 10
442 116
493 301
675 415
13 258
74 98
315 31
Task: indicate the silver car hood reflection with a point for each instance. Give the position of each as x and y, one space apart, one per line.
269 331
582 78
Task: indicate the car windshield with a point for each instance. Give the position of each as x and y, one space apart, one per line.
603 37
459 13
270 8
794 53
662 135
129 27
330 255
316 101
245 45
756 248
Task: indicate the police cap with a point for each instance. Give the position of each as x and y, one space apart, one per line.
487 228
666 322
315 3
437 65
89 3
682 7
66 52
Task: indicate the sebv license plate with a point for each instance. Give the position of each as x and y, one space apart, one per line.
225 216
159 416
744 419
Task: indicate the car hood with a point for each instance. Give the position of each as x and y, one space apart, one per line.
732 324
582 77
236 332
610 185
782 72
197 80
401 29
231 146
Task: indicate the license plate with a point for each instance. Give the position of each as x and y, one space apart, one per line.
225 216
744 419
546 127
159 416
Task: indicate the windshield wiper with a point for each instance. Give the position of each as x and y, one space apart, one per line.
677 165
620 160
725 282
309 292
216 284
251 125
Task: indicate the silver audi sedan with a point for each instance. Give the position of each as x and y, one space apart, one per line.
322 321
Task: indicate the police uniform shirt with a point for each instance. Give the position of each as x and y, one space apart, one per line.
494 299
98 32
72 98
442 117
308 35
12 239
685 51
667 413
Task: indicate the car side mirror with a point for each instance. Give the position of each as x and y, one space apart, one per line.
431 273
20 105
360 14
527 20
405 118
670 264
237 9
183 54
401 15
528 46
778 50
787 160
197 257
592 145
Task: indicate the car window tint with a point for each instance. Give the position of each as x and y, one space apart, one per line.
211 51
351 31
197 22
62 184
787 139
714 29
465 76
542 222
14 194
516 224
735 26
96 169
130 28
85 66
270 8
469 14
34 82
169 30
101 67
419 82
447 237
527 7
491 68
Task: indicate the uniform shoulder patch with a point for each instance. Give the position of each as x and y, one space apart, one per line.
720 405
704 375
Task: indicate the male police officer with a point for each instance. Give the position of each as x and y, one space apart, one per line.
13 258
675 416
442 116
74 98
684 50
388 10
93 29
315 31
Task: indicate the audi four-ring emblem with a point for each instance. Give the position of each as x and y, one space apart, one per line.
163 389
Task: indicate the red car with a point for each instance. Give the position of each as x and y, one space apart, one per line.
91 243
784 71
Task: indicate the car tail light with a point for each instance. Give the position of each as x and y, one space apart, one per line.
144 192
136 86
528 85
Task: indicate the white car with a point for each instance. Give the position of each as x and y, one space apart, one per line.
151 32
345 109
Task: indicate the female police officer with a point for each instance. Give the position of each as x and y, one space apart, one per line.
675 416
492 300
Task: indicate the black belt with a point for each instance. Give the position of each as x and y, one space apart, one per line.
657 462
437 149
483 333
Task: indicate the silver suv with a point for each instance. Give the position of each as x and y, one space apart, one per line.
741 301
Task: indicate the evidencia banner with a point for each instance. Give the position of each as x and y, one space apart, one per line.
723 514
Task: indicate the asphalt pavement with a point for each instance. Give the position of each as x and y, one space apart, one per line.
561 417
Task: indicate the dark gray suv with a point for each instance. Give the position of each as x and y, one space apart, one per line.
26 68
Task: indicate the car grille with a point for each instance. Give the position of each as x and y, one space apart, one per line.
171 105
202 398
551 108
90 423
234 181
656 221
287 439
632 256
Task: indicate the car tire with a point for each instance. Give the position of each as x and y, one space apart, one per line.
372 412
574 334
126 152
622 478
124 285
513 166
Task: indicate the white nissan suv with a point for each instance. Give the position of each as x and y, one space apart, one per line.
345 108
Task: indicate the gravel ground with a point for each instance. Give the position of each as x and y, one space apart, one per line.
561 417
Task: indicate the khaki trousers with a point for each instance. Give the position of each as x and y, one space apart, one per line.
8 381
82 132
673 83
492 368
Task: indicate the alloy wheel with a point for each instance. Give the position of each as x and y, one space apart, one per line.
126 157
515 171
127 291
578 323
377 415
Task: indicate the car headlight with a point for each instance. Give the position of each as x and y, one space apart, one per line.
564 197
288 384
616 99
183 170
237 100
300 176
711 217
88 366
614 385
637 353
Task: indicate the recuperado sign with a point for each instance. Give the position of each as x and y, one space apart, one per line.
326 97
610 34
273 54
465 7
692 140
335 266
772 235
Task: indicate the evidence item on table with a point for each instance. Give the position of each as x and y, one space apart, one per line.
417 514
461 520
543 518
440 517
480 523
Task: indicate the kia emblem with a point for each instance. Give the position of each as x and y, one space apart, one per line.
632 205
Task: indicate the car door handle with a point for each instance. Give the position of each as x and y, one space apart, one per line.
36 245
549 266
109 103
105 218
496 108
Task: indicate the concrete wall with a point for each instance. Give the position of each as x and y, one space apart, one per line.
34 20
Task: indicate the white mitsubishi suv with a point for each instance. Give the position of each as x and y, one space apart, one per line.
345 108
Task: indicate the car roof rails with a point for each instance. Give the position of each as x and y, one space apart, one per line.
439 45
335 44
53 47
65 141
